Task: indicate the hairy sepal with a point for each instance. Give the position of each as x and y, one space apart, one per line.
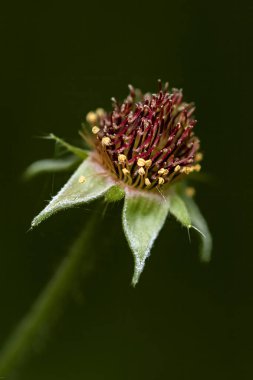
199 223
179 209
81 153
90 181
144 215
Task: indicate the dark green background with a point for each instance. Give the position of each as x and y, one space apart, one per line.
183 321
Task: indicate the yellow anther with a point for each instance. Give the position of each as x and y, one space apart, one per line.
190 191
147 182
160 180
91 117
187 169
95 130
125 171
141 162
82 179
106 141
122 158
197 167
163 171
148 163
100 112
177 168
141 171
199 156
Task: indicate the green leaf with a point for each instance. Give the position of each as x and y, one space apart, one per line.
51 166
89 182
199 223
82 153
143 217
179 209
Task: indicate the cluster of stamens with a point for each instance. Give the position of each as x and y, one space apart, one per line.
147 140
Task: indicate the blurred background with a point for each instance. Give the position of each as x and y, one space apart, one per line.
183 321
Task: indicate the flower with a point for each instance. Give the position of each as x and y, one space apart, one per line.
142 151
149 142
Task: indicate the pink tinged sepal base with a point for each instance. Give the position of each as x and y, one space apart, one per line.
90 181
144 215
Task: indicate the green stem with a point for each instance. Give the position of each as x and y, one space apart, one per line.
48 304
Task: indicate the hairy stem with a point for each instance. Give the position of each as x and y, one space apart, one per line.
47 306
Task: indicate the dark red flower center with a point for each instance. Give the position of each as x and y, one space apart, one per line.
147 140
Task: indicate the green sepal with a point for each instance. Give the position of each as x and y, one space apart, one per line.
114 194
82 153
179 210
78 190
199 223
54 165
143 217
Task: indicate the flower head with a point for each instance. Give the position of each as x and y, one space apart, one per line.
147 140
139 150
